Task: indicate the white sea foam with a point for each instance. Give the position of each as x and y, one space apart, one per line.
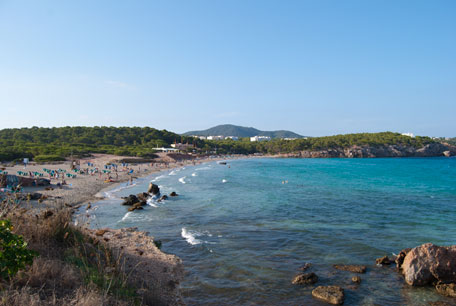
173 172
203 168
190 237
224 181
194 174
126 216
151 202
109 194
158 178
182 179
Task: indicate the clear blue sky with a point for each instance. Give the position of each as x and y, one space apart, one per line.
314 67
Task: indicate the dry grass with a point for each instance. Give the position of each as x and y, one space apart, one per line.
70 270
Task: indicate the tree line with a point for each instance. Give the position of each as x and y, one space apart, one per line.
44 144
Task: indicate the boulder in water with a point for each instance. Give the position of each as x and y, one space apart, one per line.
142 196
330 294
173 194
130 200
153 189
305 279
383 261
428 263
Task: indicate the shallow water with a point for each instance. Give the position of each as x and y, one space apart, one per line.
244 229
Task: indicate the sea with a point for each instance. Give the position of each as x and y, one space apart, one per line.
244 229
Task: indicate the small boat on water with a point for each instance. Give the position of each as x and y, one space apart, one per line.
222 163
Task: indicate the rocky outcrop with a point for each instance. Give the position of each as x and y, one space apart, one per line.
330 294
157 274
173 194
351 268
305 279
428 263
153 189
142 196
130 200
429 150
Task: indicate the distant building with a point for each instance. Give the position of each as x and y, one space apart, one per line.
199 137
232 137
288 138
167 150
181 146
260 138
408 134
215 137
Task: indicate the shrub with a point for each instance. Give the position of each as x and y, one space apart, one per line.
47 158
14 254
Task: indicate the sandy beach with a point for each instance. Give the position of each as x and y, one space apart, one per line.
86 187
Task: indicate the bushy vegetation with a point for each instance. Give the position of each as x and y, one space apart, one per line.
53 144
14 254
451 141
244 146
57 143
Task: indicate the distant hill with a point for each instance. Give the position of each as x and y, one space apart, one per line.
241 131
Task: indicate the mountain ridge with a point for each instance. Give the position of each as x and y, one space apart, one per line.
241 131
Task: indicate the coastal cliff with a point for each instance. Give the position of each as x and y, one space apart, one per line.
429 150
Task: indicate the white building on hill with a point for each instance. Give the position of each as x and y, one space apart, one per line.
409 134
260 138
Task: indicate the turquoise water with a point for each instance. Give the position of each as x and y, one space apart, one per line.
244 229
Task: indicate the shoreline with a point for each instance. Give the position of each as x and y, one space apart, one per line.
147 267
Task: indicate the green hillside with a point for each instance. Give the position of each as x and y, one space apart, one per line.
240 131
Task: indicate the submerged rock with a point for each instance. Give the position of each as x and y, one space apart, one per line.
136 206
173 194
351 268
428 263
330 294
356 279
383 260
439 303
446 289
153 189
305 279
305 266
162 198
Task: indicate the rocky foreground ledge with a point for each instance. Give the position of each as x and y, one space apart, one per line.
157 274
